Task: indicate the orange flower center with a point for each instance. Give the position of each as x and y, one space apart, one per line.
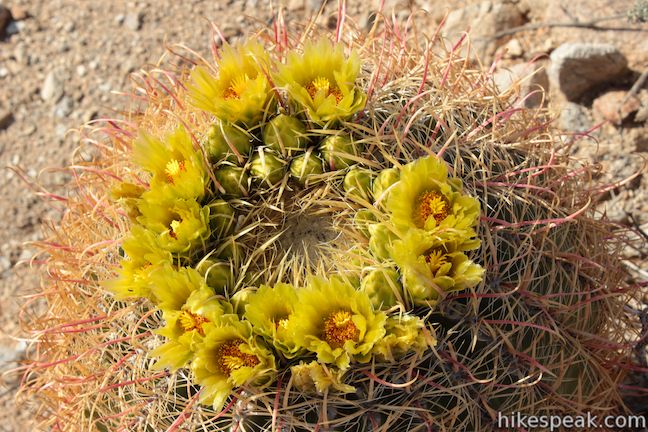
281 323
237 87
323 84
435 259
431 204
190 321
173 168
339 328
230 358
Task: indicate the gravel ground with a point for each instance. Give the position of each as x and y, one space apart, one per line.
61 62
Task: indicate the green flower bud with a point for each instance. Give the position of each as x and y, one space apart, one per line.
381 240
222 218
382 286
357 183
218 275
227 142
337 151
304 166
234 180
285 135
267 167
363 219
240 299
382 182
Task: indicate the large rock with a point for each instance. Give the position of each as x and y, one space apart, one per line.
485 19
524 78
578 67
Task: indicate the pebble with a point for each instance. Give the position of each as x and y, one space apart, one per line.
64 107
26 255
612 107
5 264
81 70
133 21
528 78
514 48
52 88
14 27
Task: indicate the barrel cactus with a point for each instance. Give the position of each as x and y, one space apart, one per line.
328 232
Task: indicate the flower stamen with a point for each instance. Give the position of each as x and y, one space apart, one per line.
436 258
237 87
339 328
230 357
431 204
173 227
190 321
323 84
173 168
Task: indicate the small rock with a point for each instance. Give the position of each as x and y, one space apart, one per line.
528 77
612 107
14 27
574 118
119 19
81 70
64 107
578 67
5 19
133 21
20 54
11 351
5 264
6 118
52 89
26 255
4 72
514 48
642 113
19 13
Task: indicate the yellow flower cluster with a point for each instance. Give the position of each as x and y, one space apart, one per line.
430 226
181 252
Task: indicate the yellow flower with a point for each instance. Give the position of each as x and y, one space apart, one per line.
128 195
336 322
426 199
431 265
404 334
230 356
177 168
322 81
180 224
143 255
185 328
270 310
241 92
315 378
